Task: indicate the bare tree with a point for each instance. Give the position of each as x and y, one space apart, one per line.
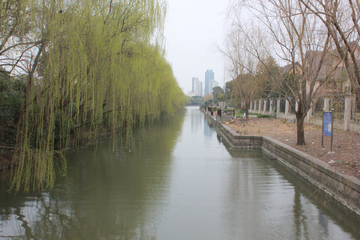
341 18
208 99
297 40
245 86
244 90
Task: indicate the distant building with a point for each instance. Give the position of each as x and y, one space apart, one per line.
192 94
197 86
209 75
212 84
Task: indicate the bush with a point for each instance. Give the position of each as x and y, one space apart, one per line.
11 97
263 116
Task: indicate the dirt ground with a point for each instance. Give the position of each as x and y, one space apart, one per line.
343 158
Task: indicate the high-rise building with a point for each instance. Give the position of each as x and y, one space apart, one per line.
213 84
195 83
197 86
209 75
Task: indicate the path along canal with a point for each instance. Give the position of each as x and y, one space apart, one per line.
174 180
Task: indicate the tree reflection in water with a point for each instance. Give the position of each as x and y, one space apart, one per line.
105 195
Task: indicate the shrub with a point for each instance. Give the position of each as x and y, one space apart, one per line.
263 116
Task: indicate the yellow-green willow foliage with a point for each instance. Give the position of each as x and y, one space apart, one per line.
99 67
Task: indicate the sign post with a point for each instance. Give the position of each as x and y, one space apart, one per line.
327 127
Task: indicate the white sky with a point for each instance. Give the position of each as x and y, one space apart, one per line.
193 28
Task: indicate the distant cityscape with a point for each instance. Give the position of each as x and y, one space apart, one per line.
197 86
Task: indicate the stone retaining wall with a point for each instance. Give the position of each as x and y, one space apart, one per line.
344 189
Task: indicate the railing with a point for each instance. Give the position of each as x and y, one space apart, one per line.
226 112
268 105
318 108
282 105
355 110
212 110
345 108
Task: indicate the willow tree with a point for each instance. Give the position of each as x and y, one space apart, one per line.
96 65
15 23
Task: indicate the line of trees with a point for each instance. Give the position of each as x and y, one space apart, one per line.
80 67
312 39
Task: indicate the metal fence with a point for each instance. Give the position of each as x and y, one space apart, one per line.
318 107
293 102
337 105
268 105
282 105
274 105
355 110
348 120
225 112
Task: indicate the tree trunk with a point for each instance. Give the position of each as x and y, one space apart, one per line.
247 106
300 130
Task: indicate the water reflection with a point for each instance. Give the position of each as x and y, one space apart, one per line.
315 211
106 194
265 201
208 132
174 180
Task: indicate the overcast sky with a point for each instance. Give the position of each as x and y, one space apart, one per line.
193 28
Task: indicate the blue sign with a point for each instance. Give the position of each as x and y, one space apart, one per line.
327 123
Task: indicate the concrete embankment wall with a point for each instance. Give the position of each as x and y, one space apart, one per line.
344 189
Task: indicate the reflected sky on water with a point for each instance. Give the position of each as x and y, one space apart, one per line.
174 180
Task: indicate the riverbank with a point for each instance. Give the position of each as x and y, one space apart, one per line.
345 189
343 158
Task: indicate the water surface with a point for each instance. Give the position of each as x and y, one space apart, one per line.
174 180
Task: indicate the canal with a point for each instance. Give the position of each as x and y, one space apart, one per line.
174 180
